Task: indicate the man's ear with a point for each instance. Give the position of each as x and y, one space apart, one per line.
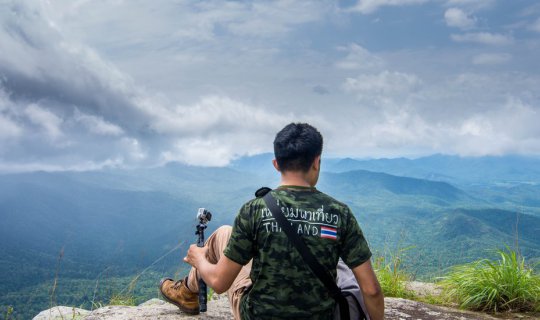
274 162
317 163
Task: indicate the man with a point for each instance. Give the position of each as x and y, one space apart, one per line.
262 272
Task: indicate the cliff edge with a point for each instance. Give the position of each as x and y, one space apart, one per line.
218 308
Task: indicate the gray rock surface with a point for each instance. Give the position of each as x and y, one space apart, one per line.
423 289
63 313
395 309
218 308
403 309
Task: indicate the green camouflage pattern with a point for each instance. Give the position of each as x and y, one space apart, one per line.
283 285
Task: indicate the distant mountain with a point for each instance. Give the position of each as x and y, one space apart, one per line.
111 223
485 170
371 182
376 192
100 229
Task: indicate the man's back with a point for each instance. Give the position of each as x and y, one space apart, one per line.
279 284
283 285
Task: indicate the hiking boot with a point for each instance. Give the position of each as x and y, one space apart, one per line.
177 293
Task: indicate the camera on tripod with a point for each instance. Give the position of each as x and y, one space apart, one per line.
204 215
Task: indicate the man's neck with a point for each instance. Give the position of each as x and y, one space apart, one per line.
294 179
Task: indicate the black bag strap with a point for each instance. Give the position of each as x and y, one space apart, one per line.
309 259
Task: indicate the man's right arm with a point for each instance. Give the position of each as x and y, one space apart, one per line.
371 290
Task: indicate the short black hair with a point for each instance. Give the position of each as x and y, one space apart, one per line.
296 146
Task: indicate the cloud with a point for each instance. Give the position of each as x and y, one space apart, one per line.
51 87
507 129
491 58
385 84
217 129
370 6
262 18
213 115
535 26
455 17
483 38
358 58
197 22
8 128
45 119
97 125
39 64
471 4
86 84
319 89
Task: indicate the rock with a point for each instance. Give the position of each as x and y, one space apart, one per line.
423 289
62 313
218 308
403 309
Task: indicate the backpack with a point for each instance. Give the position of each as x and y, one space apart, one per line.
349 287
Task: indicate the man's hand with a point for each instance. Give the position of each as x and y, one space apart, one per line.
196 255
218 276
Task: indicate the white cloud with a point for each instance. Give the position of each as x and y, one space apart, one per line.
262 18
370 6
45 119
510 128
197 152
358 58
9 129
483 38
215 114
135 83
471 4
385 84
491 58
455 17
97 125
51 167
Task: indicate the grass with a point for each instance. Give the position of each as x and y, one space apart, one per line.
122 300
9 312
506 284
55 284
392 277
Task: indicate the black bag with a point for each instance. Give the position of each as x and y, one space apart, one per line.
347 298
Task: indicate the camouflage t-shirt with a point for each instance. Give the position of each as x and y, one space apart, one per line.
283 285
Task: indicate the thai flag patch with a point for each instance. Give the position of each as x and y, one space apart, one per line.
329 233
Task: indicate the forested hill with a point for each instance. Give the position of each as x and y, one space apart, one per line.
94 232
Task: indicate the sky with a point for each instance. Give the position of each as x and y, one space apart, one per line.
87 84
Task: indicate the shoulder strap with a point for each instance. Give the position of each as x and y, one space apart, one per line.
308 257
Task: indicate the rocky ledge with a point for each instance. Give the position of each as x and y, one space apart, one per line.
218 308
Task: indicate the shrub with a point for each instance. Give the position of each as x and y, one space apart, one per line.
122 300
392 277
503 285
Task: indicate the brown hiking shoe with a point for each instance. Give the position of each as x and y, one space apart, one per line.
177 293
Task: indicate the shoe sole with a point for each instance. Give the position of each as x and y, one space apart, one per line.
184 309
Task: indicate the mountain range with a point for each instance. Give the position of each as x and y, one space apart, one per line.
80 237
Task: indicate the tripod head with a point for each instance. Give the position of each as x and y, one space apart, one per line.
204 216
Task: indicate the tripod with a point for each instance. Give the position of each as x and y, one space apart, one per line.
204 216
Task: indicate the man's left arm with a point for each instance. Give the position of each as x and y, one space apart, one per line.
218 276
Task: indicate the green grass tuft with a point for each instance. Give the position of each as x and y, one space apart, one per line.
506 284
392 277
9 312
122 300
